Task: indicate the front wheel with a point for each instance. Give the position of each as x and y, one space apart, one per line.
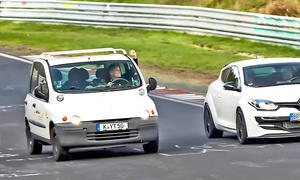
59 152
33 145
151 147
210 129
241 128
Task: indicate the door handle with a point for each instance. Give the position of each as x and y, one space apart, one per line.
219 96
34 105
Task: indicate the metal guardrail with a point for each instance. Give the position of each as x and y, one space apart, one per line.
261 27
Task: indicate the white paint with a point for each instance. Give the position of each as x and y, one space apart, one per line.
203 151
15 58
248 164
14 160
8 155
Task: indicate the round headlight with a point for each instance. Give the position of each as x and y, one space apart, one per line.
75 120
145 115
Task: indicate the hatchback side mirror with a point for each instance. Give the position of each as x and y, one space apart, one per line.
39 94
152 84
231 86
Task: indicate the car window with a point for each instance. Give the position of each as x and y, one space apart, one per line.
224 74
272 74
95 76
233 76
38 77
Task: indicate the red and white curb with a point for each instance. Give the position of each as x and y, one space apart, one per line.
178 96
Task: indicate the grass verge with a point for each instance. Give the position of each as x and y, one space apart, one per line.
178 52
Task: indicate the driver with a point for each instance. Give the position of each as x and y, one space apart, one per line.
115 73
286 75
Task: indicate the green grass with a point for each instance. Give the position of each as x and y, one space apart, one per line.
169 50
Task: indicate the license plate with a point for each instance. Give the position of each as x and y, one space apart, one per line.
112 126
295 117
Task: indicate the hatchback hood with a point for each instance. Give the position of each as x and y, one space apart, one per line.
282 93
106 105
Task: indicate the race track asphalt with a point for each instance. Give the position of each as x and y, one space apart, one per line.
185 152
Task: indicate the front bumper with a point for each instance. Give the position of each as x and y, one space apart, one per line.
85 135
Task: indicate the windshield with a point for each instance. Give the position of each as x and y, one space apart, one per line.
95 76
272 74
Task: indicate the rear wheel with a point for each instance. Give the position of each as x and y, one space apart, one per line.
59 152
151 147
33 145
210 129
241 129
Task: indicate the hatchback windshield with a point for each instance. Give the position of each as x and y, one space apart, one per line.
95 76
272 74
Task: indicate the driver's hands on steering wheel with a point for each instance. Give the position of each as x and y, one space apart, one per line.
110 84
118 81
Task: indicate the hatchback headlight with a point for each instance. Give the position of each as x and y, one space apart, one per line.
263 105
145 115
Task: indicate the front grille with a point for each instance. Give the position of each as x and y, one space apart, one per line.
289 105
111 135
278 123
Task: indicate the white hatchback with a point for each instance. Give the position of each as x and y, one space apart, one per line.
255 99
83 101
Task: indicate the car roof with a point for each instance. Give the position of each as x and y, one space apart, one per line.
67 60
262 61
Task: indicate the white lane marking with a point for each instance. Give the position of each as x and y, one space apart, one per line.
203 151
8 155
14 160
248 164
15 58
176 100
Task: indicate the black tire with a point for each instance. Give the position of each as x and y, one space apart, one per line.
59 153
33 145
151 147
210 129
241 128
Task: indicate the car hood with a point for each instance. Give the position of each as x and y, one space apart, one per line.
282 93
102 106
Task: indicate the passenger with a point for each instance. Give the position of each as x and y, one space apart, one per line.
133 55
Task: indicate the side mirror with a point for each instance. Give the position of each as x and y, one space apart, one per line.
152 84
39 94
231 86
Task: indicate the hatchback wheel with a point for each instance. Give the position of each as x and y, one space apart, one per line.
210 129
241 129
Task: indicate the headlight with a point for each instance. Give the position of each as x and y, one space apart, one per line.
75 120
145 115
263 105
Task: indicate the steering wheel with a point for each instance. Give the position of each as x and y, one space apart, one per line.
120 81
295 79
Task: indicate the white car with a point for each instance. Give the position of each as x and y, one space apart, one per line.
84 101
255 99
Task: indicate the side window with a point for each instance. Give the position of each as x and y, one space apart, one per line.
224 74
38 78
233 76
